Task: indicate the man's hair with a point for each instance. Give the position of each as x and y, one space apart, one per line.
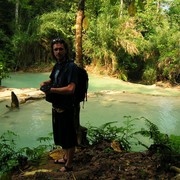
61 41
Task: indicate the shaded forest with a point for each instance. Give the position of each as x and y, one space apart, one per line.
133 40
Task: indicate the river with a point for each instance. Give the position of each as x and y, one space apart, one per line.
109 100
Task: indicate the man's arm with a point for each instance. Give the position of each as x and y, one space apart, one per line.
69 89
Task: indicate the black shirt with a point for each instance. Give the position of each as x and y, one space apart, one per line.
63 74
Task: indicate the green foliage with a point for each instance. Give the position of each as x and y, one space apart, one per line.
112 41
123 76
8 155
175 143
166 147
174 11
34 154
153 133
123 135
57 23
4 72
102 133
47 140
149 76
32 45
167 48
11 157
24 47
7 19
5 54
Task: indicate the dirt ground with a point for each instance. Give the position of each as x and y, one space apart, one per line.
100 162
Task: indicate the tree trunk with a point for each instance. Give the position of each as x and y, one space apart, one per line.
81 131
78 40
158 5
17 14
121 8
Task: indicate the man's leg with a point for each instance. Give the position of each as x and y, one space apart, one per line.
69 155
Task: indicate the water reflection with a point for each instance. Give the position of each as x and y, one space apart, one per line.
169 116
114 106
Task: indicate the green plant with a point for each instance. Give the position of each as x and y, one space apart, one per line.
149 76
11 157
4 71
47 140
123 75
8 154
108 132
35 154
153 133
166 147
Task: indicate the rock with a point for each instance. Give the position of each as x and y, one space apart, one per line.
23 94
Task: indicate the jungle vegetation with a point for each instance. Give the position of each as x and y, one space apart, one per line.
133 40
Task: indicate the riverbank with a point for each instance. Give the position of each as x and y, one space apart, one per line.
100 71
101 161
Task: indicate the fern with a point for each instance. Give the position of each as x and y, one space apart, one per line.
167 148
11 157
108 132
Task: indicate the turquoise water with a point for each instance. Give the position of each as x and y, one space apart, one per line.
96 84
24 80
108 100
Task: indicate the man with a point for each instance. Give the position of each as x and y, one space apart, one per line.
63 79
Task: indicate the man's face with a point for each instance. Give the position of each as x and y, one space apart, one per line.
59 51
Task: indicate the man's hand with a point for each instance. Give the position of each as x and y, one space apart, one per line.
46 88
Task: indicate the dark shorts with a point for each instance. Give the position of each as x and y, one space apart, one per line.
63 128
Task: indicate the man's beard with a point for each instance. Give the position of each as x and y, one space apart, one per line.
61 57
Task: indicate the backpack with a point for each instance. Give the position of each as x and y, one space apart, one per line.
82 85
80 93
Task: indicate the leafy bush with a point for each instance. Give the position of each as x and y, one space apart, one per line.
108 132
11 157
8 155
167 147
4 71
149 76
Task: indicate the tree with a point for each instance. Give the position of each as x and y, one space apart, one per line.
17 13
6 17
81 131
78 41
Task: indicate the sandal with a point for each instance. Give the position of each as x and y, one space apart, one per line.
66 169
60 161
